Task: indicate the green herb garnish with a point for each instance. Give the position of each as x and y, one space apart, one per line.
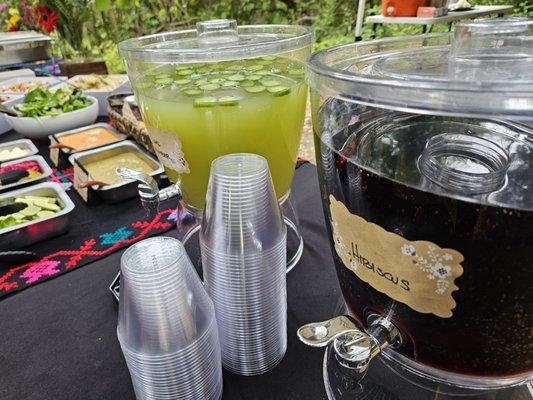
42 102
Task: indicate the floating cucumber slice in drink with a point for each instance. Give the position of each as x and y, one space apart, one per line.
192 92
229 84
182 81
164 81
210 86
296 72
269 58
270 82
228 101
254 77
279 90
185 72
255 89
245 84
205 102
237 77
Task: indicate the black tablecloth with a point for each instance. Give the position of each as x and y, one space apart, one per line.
58 338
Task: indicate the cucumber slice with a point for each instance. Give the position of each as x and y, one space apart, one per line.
217 80
30 211
279 90
270 82
192 92
46 206
229 84
182 81
254 77
164 81
255 89
246 84
262 72
228 101
296 72
45 213
235 67
205 102
269 58
255 67
237 77
185 72
210 86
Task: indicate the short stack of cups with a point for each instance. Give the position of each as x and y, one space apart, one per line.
243 245
166 324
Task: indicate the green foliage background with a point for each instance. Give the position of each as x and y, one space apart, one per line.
93 27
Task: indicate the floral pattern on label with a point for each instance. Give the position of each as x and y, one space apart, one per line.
419 273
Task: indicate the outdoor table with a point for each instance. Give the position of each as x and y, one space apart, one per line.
58 338
452 16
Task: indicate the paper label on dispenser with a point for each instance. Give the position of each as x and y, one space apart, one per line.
168 148
418 273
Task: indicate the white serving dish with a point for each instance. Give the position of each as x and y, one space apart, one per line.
101 94
23 143
4 125
40 127
49 81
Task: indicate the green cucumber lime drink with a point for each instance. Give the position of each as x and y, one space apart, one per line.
197 112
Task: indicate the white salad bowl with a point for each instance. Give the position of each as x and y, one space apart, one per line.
40 127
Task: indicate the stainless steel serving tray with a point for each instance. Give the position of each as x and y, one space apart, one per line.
24 143
23 46
54 139
22 235
119 191
45 170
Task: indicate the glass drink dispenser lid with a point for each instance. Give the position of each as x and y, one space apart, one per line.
456 110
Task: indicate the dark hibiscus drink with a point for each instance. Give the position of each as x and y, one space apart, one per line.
425 156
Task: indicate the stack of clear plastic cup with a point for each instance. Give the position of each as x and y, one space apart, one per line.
166 324
243 244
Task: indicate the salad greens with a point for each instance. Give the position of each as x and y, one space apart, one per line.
42 102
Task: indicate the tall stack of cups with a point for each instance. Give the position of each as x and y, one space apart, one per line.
166 324
243 245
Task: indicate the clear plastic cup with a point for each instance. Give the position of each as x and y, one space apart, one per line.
243 244
166 324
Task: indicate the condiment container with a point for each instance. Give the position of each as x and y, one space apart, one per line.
31 232
46 171
109 193
24 144
59 154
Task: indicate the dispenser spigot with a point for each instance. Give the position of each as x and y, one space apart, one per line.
353 346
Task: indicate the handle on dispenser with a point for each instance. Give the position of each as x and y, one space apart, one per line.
149 191
353 346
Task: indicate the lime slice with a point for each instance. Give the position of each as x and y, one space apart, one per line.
192 92
210 86
228 101
205 102
270 82
279 90
255 89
